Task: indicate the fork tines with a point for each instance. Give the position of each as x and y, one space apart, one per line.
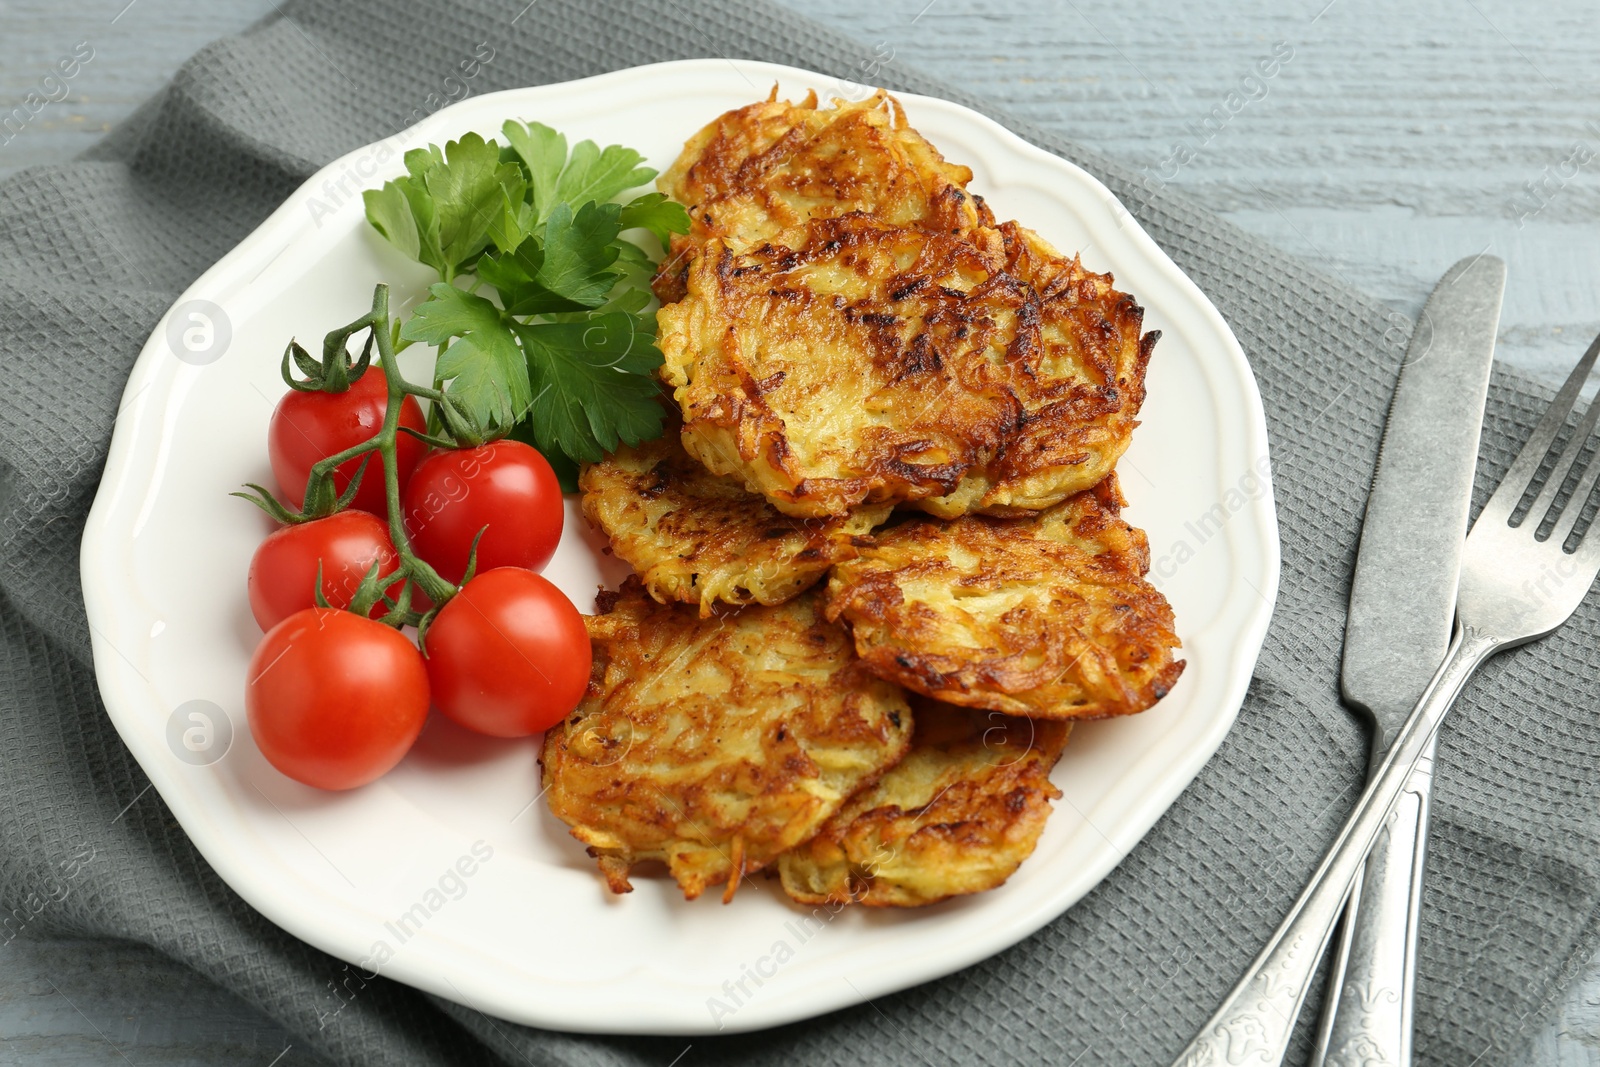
1520 479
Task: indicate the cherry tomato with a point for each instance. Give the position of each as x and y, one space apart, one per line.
283 572
335 700
506 486
307 427
508 655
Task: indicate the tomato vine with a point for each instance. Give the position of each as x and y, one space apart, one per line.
335 372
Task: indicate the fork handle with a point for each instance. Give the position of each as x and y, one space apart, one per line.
1367 1014
1256 1021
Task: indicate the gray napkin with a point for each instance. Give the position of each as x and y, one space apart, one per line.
92 252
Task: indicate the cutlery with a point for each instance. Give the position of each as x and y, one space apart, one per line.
1402 600
1515 587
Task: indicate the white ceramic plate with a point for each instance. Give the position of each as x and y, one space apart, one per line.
447 874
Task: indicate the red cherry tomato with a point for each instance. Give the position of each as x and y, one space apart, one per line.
506 486
283 572
335 700
307 427
508 655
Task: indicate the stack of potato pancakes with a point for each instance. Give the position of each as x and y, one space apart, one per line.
879 386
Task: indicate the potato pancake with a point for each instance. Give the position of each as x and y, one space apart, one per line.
1048 616
1077 366
716 744
772 166
958 815
874 363
854 369
702 538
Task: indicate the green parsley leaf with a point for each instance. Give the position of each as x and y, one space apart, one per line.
484 367
418 160
654 212
390 214
633 301
557 349
599 174
470 187
636 267
404 212
579 253
515 224
591 383
623 298
543 152
572 269
588 173
517 277
451 204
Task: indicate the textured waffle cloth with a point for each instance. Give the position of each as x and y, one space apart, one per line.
92 253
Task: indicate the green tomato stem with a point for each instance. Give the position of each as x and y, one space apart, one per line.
432 583
413 570
384 443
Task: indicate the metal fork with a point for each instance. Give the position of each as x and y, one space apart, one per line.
1515 587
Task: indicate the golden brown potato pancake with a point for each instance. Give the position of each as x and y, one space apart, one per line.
771 166
858 368
875 363
1048 616
958 815
716 744
1077 367
701 538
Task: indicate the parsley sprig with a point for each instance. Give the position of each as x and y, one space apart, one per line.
539 312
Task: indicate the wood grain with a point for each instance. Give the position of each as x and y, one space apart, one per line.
1394 140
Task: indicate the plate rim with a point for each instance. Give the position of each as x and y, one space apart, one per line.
106 604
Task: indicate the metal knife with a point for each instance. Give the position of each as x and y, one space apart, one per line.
1402 604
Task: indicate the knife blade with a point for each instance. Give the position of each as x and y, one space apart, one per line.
1402 605
1403 595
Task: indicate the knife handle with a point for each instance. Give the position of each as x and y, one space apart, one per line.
1367 1014
1256 1022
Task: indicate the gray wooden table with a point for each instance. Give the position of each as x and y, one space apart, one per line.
1394 140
